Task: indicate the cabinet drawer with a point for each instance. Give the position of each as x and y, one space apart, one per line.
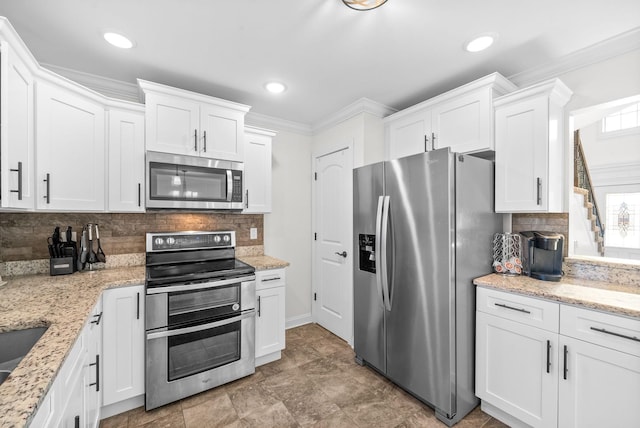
612 331
270 278
527 310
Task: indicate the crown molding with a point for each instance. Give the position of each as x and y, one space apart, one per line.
109 87
263 121
363 105
609 48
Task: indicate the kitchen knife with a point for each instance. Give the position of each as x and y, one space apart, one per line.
56 236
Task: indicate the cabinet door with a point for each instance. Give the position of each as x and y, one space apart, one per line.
70 151
522 139
517 369
73 413
270 321
16 132
464 123
410 135
123 343
222 133
172 125
92 375
257 173
126 161
601 387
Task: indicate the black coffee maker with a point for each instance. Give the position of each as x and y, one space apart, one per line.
542 255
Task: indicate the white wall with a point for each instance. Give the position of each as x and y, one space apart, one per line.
287 229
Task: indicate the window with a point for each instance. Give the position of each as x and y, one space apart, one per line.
626 118
622 220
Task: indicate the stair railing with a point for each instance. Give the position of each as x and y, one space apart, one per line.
582 179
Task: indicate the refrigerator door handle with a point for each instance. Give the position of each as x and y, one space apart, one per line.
384 262
378 251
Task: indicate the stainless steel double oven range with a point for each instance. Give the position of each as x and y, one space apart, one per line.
200 314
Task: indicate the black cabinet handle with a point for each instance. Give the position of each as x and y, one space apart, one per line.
76 422
97 321
48 181
97 366
566 356
259 305
426 140
195 140
139 194
137 306
548 355
433 141
19 171
204 138
539 190
512 308
246 202
624 336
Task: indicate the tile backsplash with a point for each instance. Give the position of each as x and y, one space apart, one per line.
23 236
556 222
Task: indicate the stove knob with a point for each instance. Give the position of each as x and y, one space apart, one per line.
216 239
159 241
171 240
226 238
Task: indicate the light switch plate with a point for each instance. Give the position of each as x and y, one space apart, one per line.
253 233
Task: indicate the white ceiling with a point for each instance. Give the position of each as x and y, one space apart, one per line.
328 55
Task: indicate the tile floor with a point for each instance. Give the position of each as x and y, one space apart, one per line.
316 383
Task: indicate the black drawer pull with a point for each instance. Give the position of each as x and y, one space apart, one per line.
602 330
548 356
97 366
275 278
512 308
566 357
97 321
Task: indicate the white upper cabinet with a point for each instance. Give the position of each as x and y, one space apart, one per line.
257 170
70 154
461 119
187 123
17 130
529 158
126 160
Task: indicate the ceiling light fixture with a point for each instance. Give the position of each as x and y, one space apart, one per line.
364 4
480 42
118 40
275 87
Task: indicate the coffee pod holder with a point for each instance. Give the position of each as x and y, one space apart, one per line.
507 254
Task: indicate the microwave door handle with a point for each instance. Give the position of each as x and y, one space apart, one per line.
229 185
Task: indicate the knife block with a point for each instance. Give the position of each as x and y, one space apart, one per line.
61 266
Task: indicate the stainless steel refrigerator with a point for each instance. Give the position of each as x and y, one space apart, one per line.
423 227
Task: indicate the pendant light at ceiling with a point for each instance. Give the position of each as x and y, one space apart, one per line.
364 4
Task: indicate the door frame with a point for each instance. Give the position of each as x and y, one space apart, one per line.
327 149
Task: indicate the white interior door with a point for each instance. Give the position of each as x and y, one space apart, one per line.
333 282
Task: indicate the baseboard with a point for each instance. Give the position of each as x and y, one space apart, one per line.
121 407
265 359
297 321
502 416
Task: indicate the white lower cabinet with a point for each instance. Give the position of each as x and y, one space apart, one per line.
123 344
585 372
270 314
73 400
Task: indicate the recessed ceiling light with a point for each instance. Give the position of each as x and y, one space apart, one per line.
118 40
275 87
480 42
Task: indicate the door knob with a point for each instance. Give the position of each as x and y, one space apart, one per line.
343 254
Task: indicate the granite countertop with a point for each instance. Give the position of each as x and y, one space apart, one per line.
63 303
605 296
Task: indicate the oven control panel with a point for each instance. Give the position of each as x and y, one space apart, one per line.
190 240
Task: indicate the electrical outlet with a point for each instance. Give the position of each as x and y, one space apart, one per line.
253 233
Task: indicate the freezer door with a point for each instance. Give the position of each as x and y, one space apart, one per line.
368 312
420 325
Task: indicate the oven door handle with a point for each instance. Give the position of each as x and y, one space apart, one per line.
199 285
168 333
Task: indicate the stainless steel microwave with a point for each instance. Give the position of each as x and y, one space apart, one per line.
190 182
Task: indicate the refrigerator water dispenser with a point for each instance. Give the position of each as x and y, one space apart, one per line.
367 245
